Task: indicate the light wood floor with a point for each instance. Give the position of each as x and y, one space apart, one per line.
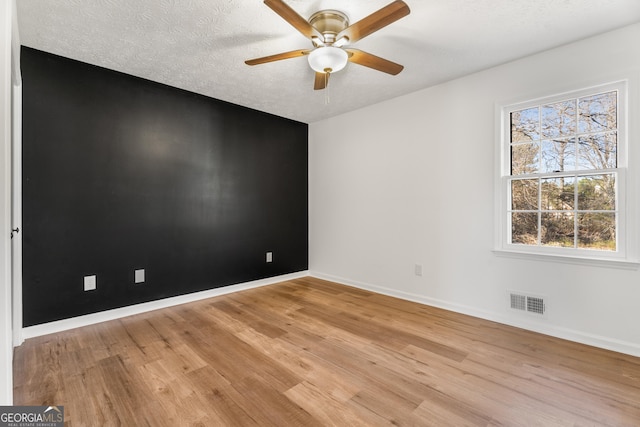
310 352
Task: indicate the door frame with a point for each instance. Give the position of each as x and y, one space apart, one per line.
10 131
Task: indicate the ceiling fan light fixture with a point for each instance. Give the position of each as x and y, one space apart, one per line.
328 59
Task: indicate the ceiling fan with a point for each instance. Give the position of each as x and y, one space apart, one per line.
329 31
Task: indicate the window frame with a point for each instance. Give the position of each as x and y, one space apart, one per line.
625 253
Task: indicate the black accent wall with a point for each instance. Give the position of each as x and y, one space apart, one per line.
120 173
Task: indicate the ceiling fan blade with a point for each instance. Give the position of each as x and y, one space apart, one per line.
278 57
368 60
377 20
321 81
292 17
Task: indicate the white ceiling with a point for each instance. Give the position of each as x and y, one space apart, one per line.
201 45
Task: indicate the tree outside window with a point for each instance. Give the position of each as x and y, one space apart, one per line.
562 183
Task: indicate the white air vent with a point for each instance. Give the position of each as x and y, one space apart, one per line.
527 303
535 305
518 302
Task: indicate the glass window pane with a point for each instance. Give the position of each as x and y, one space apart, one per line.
598 151
558 155
524 194
597 231
524 125
525 158
598 112
562 186
597 192
524 228
557 229
558 119
557 193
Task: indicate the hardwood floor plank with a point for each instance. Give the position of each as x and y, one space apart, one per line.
248 318
327 410
312 352
216 396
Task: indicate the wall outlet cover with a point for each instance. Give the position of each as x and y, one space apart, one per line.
139 276
418 270
90 283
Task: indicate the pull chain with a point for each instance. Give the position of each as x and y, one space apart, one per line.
327 95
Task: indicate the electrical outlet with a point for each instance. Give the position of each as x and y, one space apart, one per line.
418 269
269 256
90 283
139 276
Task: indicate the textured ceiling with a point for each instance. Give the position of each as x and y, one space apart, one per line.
201 45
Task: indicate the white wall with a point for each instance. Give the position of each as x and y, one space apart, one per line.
378 206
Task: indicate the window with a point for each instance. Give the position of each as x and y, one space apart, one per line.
563 173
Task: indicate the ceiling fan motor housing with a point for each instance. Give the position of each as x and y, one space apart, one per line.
330 23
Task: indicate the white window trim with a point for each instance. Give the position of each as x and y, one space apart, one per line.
626 256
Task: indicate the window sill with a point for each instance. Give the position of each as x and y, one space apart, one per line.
594 262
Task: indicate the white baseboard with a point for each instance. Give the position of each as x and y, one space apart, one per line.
607 343
117 313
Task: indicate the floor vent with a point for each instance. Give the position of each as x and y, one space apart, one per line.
527 303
